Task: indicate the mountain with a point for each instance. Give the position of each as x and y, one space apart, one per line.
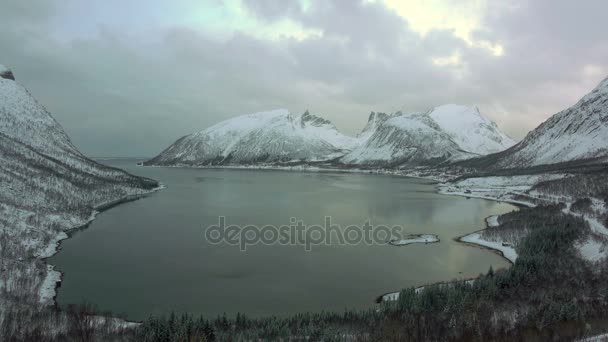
274 137
47 186
577 134
373 122
443 134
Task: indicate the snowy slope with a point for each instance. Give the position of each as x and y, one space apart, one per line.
470 130
274 137
577 133
374 121
46 186
445 133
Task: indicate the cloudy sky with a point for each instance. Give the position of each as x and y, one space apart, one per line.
126 78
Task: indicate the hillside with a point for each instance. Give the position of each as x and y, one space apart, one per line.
575 135
445 133
274 137
48 187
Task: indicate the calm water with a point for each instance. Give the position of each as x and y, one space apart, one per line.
149 256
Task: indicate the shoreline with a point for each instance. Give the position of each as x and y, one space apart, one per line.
411 173
58 275
48 294
496 251
394 295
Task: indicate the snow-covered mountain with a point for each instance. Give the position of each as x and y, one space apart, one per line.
575 134
274 137
373 122
46 186
445 133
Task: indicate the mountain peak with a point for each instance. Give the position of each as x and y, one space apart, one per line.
379 116
375 119
275 137
578 133
313 120
6 73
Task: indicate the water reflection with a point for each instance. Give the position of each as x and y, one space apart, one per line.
149 256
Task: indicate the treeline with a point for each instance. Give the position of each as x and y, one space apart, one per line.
593 184
516 225
548 294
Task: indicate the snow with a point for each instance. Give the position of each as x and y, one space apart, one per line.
421 238
394 296
506 188
470 130
579 132
279 137
499 188
47 187
596 338
592 249
48 287
492 221
446 133
374 121
3 69
507 251
52 246
266 137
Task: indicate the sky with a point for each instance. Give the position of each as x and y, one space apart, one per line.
127 78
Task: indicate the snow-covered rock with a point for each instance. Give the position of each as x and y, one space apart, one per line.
6 73
577 133
274 137
374 121
445 133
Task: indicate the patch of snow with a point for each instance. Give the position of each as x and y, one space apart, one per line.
592 249
507 251
596 338
51 248
49 285
492 221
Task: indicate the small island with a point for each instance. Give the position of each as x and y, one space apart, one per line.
415 238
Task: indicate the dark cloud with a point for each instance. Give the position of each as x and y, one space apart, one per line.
122 92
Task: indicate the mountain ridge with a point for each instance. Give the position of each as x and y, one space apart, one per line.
577 133
280 138
276 136
431 138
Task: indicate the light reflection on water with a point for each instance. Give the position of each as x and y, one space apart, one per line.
149 256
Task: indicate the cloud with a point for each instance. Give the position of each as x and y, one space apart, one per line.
131 87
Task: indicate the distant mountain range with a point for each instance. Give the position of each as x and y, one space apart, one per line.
443 134
446 133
